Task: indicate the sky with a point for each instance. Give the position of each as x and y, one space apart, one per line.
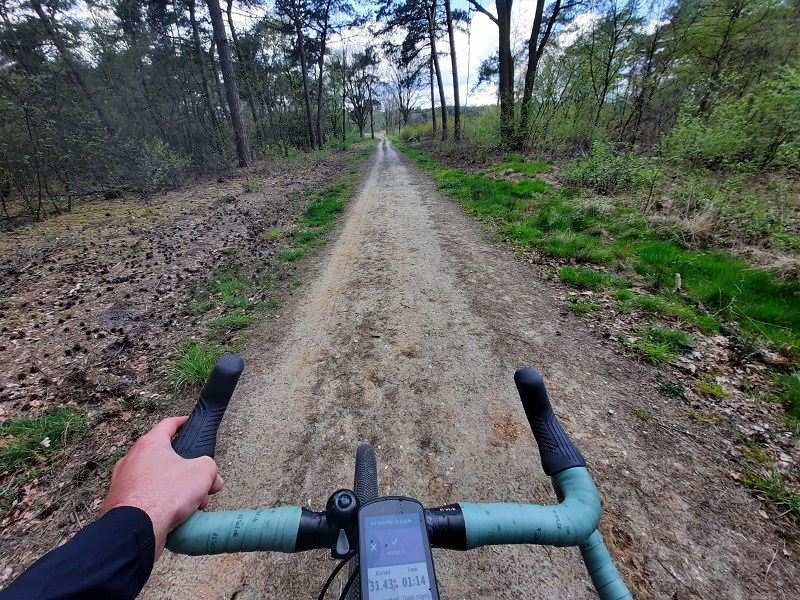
471 49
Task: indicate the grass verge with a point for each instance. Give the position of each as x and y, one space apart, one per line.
239 290
557 224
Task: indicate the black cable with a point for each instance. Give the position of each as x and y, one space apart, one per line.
333 574
348 585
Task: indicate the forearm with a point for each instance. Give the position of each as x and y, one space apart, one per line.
110 558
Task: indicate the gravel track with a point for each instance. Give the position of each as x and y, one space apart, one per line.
407 337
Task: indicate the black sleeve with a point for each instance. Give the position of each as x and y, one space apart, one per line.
110 558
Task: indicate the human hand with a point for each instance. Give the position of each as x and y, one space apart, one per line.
154 478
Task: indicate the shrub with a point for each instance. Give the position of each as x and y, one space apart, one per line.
414 133
160 165
754 131
483 130
608 170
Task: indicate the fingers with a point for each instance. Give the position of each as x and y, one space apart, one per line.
167 428
217 485
209 467
204 503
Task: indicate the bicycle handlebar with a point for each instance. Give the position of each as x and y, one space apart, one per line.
462 526
556 449
566 524
198 437
470 524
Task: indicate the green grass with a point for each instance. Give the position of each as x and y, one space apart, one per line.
789 395
328 203
585 279
251 184
291 254
711 389
624 294
198 307
584 307
273 234
763 477
705 417
728 287
231 321
264 305
306 236
28 443
234 291
644 414
671 304
194 362
519 164
660 345
531 213
672 390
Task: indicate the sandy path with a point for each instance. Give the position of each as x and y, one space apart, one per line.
407 338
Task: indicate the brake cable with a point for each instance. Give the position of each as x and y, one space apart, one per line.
335 572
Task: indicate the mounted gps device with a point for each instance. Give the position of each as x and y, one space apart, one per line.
395 560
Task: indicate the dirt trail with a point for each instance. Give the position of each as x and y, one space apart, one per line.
407 338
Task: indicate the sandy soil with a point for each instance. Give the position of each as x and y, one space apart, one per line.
407 338
93 306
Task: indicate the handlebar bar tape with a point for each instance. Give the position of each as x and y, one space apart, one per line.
566 524
556 449
605 577
198 437
269 529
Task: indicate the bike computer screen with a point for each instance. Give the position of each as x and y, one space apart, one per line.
394 551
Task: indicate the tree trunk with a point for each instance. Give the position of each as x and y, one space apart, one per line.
453 62
72 68
231 89
535 51
200 62
221 101
371 114
246 79
433 99
344 98
506 65
431 11
320 69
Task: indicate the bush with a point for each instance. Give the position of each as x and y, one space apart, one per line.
483 130
160 165
755 131
607 171
414 133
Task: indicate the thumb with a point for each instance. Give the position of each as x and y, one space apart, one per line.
217 485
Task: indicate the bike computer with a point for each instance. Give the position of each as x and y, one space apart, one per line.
395 561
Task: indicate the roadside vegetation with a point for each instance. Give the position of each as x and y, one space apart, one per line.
239 293
670 298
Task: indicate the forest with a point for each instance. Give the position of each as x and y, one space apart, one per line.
118 96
